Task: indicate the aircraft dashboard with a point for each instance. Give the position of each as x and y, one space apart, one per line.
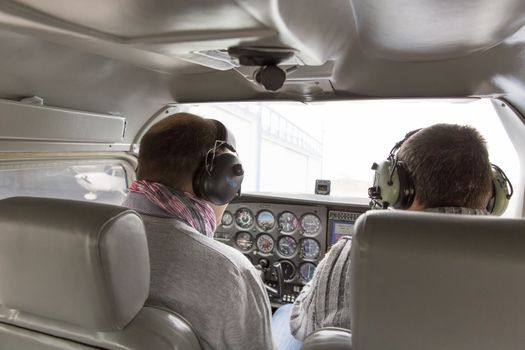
295 232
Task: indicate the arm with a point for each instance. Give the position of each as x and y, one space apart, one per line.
325 300
250 327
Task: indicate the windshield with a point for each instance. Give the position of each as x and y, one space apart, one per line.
285 147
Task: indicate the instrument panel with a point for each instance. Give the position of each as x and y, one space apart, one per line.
295 232
267 232
297 236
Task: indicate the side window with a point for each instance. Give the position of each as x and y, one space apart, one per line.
102 181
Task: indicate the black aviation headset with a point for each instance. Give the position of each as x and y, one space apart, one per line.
393 184
219 176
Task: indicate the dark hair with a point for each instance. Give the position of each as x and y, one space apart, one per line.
172 149
449 165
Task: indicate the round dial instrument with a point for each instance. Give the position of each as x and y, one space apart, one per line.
287 246
288 270
306 271
265 243
227 219
310 248
265 220
244 241
311 224
288 222
244 218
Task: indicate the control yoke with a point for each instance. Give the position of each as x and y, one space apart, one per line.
276 270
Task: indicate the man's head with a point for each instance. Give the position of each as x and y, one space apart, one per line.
449 165
173 152
173 148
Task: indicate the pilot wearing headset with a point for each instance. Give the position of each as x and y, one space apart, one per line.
443 168
188 172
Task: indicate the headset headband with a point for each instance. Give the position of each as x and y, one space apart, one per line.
398 144
224 139
225 136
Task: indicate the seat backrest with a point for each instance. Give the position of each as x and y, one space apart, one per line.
437 281
75 275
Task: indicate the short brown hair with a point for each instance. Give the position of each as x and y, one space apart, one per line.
449 165
172 149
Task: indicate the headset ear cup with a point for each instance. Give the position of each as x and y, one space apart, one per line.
219 176
385 191
499 200
223 183
407 191
393 184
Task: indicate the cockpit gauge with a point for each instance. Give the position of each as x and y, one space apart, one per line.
265 243
244 241
310 248
288 222
306 271
288 270
311 224
287 246
244 218
227 219
265 220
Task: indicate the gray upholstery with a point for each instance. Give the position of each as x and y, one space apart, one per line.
79 271
330 338
89 263
12 337
436 281
151 329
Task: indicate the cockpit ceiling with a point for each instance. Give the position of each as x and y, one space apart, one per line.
427 30
131 20
344 48
404 30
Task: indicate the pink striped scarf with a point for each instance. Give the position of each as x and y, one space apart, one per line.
183 206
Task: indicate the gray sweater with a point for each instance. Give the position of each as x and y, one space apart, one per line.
325 300
210 284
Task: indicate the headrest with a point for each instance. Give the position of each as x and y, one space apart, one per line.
84 264
437 281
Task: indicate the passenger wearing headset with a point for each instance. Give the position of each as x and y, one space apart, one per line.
188 172
443 168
